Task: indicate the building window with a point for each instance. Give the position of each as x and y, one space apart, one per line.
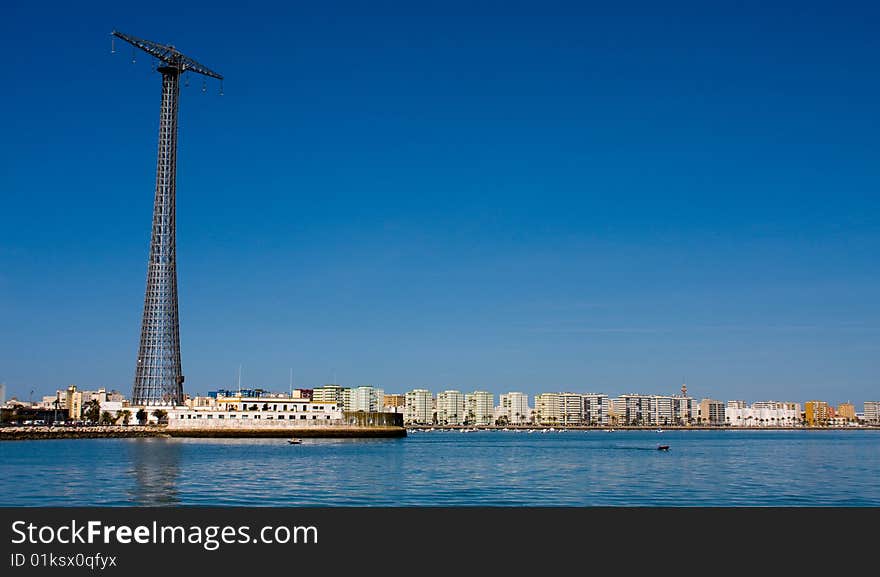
302 417
280 417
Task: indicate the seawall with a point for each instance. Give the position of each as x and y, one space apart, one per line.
287 432
26 433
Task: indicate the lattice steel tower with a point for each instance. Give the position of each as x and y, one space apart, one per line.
158 376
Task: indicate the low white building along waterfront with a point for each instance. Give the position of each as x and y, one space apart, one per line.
239 411
418 407
763 414
273 415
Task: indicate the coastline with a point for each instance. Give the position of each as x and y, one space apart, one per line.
32 433
558 428
35 433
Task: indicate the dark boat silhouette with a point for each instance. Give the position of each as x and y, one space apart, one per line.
662 447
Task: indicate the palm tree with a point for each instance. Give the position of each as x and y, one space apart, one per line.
161 416
141 416
106 418
125 416
92 410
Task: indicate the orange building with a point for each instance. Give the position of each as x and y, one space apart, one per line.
818 413
846 411
393 400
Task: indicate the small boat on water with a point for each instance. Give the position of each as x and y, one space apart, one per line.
295 441
662 447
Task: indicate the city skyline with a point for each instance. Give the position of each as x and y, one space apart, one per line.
434 392
416 196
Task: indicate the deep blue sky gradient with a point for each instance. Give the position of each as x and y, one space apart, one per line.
498 195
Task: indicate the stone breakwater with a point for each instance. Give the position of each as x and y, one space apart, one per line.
99 432
30 433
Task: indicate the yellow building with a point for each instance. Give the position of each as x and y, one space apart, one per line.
847 411
817 413
74 403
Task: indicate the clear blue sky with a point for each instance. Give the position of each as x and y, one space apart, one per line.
527 196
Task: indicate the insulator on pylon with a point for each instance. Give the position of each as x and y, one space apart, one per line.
221 88
204 85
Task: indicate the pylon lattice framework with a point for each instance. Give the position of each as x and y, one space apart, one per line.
158 375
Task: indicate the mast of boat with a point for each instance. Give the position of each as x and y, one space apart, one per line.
239 379
290 395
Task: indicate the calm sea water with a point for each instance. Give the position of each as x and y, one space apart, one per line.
716 468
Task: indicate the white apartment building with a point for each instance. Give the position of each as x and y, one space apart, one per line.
367 399
571 409
418 407
684 410
617 410
514 407
330 394
547 409
596 409
636 409
763 414
662 410
450 408
480 407
872 412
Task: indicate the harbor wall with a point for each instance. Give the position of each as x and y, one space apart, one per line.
25 433
358 424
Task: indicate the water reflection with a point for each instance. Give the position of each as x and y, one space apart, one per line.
155 465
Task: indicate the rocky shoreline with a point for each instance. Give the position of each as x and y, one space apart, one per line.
33 433
30 433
